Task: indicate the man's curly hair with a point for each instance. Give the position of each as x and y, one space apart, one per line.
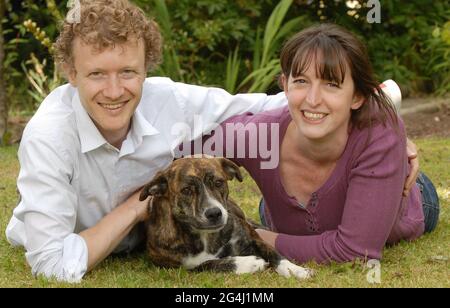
106 23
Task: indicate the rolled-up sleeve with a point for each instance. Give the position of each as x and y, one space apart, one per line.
45 219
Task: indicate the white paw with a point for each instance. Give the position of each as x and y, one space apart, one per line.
288 269
249 264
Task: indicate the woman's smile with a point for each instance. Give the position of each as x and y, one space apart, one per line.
313 117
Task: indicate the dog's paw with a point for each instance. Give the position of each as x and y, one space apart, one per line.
249 264
288 269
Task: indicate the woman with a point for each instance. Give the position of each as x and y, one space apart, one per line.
336 194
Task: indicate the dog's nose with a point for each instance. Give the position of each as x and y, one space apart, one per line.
213 214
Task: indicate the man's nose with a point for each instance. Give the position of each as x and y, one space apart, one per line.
114 89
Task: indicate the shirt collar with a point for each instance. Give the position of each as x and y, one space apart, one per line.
90 136
140 127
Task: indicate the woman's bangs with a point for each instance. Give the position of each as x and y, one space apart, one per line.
329 58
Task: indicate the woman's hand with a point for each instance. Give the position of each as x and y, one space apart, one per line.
413 159
267 236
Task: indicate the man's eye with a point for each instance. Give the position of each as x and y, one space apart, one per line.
187 191
300 80
128 73
95 74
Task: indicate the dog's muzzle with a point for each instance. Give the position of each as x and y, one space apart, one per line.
213 220
214 215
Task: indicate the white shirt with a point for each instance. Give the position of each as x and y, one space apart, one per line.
71 177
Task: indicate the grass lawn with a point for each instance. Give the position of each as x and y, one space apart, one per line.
423 263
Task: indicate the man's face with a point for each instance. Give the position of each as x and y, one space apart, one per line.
109 84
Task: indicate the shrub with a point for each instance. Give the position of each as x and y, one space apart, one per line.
205 39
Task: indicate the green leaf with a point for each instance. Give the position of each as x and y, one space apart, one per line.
272 28
233 64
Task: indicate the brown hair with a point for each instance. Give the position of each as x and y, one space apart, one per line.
105 23
337 47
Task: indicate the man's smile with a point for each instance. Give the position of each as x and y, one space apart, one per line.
113 107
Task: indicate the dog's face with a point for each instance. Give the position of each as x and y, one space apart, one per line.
196 191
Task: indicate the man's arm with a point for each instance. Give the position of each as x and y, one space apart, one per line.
48 210
106 235
45 219
215 105
209 106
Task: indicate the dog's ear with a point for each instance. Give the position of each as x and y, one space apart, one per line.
157 187
231 169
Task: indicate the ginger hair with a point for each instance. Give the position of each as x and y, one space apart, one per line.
105 24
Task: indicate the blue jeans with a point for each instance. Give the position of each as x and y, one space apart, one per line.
430 203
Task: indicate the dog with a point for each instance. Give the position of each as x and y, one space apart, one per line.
193 224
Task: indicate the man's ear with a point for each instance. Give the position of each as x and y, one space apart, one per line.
157 187
70 73
358 101
231 169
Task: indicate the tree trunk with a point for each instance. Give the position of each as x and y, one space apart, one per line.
3 103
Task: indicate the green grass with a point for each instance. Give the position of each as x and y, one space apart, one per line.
404 265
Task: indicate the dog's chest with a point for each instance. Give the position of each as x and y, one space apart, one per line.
212 250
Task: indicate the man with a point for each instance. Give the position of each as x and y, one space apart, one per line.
95 142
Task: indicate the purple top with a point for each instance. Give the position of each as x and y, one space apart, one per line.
358 210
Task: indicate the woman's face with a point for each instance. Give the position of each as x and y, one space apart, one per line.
320 108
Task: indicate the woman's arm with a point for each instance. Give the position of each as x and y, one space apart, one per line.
373 205
413 159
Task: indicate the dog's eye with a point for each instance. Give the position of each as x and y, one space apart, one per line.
187 191
218 183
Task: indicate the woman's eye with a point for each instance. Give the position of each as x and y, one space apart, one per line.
333 85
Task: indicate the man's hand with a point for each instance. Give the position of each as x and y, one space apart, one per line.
411 150
141 207
104 237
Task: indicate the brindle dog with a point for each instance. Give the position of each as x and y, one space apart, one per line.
193 223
